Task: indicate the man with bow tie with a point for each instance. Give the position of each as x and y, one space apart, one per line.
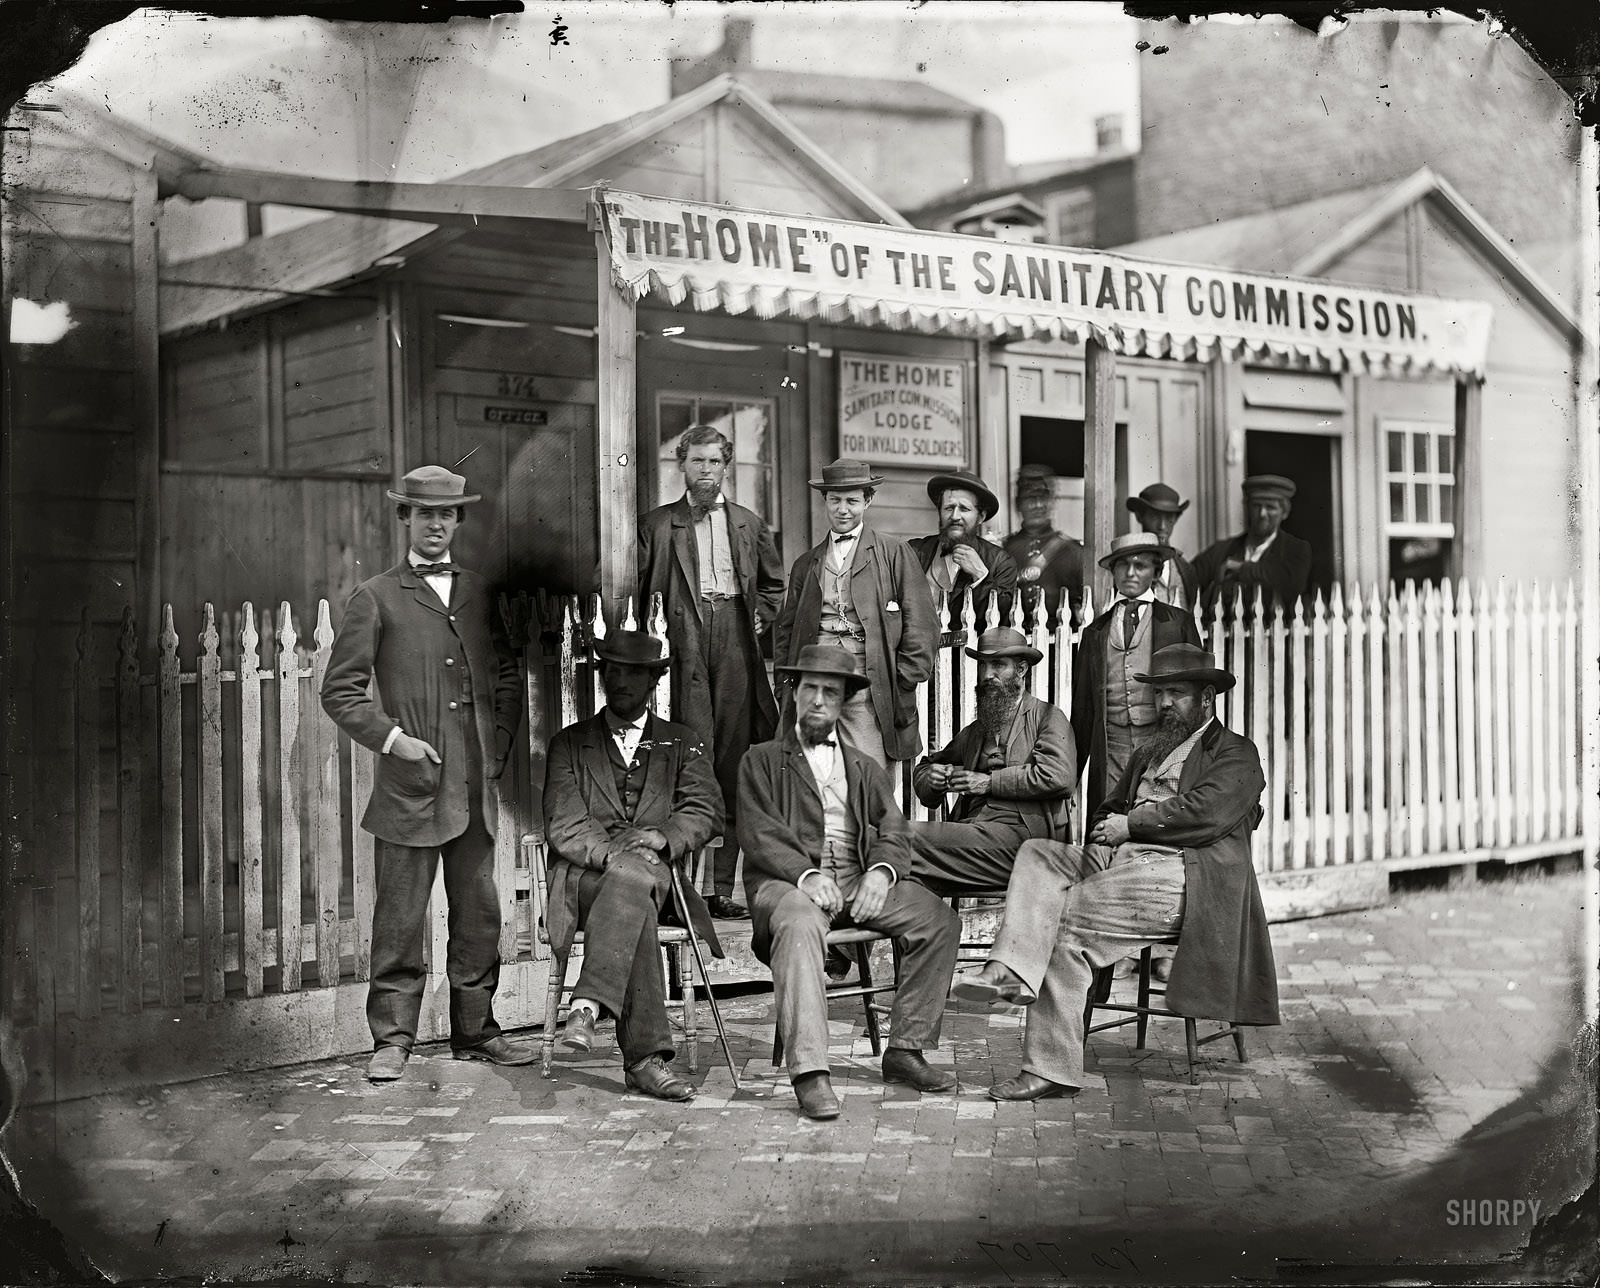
1008 776
441 723
1113 712
1157 509
717 570
626 794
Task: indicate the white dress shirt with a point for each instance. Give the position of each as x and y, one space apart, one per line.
842 548
626 736
1144 601
1253 553
820 758
440 583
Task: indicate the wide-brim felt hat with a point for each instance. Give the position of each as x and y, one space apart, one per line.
433 486
632 648
1273 485
1186 662
1158 496
843 474
1136 543
968 481
1004 641
825 659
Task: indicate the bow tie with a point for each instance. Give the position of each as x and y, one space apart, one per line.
435 570
840 539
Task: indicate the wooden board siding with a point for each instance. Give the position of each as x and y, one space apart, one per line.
757 171
214 402
334 399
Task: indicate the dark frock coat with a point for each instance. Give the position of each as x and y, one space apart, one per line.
396 630
1223 968
1282 572
891 597
999 586
1168 625
582 811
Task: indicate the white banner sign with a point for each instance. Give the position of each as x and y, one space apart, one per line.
905 279
902 411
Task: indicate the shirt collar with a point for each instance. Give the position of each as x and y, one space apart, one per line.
838 538
617 725
1149 597
1256 550
417 561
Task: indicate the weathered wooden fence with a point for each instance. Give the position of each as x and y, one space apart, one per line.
217 869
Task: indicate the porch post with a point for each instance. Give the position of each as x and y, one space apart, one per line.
616 362
1467 512
1099 464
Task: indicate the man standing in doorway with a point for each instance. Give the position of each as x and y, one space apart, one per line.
1157 510
864 593
1263 556
1049 562
956 559
717 570
441 723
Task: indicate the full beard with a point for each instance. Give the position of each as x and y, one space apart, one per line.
702 494
997 702
951 536
1172 731
815 730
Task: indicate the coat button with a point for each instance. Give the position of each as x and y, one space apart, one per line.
452 617
449 661
452 706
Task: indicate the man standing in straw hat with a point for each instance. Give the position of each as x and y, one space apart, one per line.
441 722
824 847
1263 556
1007 776
955 558
864 593
1157 510
1112 711
1049 562
721 584
1169 857
626 793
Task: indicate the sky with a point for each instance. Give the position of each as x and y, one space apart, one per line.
425 101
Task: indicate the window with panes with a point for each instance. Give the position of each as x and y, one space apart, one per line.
1419 484
751 424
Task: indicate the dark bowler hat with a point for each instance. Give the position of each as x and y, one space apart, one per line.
1004 641
1033 479
1136 543
1269 485
1186 662
633 648
1158 496
433 485
968 481
825 659
845 474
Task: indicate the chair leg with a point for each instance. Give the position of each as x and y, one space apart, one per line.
1143 1026
691 1011
1238 1043
1194 1050
864 960
552 1005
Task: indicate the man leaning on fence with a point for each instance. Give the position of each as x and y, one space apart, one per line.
441 723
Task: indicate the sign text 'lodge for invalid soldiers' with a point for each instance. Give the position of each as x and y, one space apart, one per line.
895 410
910 279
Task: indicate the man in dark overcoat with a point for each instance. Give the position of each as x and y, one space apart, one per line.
1007 776
959 563
441 724
1112 713
863 592
1263 557
1169 856
717 570
626 794
1157 510
824 846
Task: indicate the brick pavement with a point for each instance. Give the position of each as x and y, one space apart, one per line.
1422 1058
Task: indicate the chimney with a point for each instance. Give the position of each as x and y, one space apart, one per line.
737 44
732 55
1108 132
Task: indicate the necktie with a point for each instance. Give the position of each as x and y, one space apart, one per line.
1130 621
840 539
435 570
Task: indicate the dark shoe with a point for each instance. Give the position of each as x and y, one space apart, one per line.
1029 1086
387 1063
994 985
902 1065
1160 969
577 1034
499 1050
837 964
725 909
652 1077
814 1091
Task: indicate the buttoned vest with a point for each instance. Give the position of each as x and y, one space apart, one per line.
1128 702
840 836
628 778
838 605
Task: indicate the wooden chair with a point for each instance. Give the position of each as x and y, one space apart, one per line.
674 941
1140 1013
860 942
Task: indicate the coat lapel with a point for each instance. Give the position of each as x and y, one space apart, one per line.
660 757
686 550
421 591
596 760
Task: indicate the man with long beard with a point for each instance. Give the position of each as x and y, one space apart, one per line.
1008 776
956 558
1169 856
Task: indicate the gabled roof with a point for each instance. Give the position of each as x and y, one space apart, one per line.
134 144
1308 239
1030 179
329 252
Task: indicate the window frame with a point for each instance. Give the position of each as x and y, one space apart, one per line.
1409 477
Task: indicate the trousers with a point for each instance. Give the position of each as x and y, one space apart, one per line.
959 858
617 912
926 930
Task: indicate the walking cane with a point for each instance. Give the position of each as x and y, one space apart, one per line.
694 945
